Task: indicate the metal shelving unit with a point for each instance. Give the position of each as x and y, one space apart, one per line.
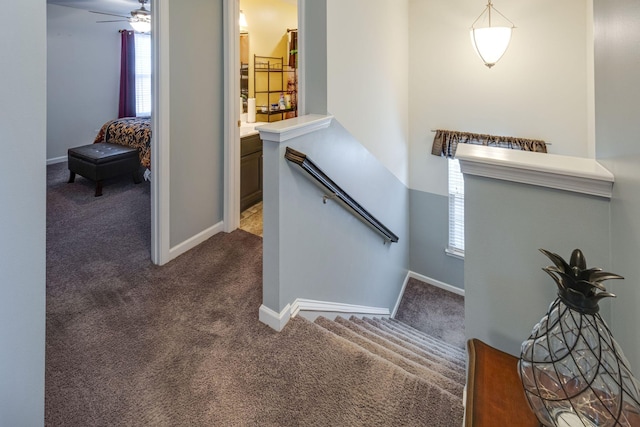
271 79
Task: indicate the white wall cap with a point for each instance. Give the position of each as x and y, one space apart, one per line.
577 174
285 130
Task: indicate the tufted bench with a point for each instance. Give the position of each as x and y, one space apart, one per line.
103 161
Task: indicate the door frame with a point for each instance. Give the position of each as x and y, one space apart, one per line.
160 129
231 56
160 121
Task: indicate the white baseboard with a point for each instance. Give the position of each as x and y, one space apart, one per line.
397 305
301 304
274 319
429 280
55 160
438 284
194 241
277 320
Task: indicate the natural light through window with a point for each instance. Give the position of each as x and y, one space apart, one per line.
143 74
456 210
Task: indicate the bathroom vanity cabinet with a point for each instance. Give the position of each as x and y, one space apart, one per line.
250 171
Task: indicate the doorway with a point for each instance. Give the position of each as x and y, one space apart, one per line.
268 74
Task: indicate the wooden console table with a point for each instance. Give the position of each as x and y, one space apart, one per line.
495 396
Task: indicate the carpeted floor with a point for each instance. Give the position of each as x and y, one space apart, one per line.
133 344
433 310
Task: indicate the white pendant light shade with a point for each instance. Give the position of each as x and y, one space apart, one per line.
141 26
490 43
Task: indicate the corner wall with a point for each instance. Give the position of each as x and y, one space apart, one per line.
196 131
83 74
367 90
22 212
617 37
506 291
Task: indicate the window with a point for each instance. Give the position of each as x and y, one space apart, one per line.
456 210
143 74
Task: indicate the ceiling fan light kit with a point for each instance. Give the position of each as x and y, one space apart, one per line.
140 19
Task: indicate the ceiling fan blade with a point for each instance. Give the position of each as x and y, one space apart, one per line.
110 14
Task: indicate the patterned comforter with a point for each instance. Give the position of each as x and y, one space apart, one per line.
130 131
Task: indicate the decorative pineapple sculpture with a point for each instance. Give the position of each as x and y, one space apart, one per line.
572 370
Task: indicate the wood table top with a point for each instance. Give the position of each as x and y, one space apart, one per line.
495 396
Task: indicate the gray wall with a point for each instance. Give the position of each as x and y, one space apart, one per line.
617 128
315 54
321 251
429 225
22 212
83 77
506 292
196 117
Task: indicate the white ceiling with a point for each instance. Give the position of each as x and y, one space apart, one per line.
118 7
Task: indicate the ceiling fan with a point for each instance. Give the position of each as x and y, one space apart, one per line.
140 19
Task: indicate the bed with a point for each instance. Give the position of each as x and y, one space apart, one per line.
130 131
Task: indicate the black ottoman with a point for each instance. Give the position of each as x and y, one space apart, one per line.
102 161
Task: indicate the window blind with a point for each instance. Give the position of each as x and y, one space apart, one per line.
445 143
143 74
456 209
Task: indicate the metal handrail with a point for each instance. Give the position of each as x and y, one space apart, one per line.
338 193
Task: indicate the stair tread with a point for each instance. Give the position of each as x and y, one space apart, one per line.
455 355
428 374
450 361
407 327
429 397
442 366
413 332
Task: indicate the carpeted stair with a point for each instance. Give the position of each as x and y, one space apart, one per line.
432 362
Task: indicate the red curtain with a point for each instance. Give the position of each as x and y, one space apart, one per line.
127 105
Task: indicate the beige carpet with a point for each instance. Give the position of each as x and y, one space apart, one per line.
133 344
433 310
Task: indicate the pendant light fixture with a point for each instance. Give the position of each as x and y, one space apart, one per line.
490 42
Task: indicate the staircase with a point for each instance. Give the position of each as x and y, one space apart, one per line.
436 367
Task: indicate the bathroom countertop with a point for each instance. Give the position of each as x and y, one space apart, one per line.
247 129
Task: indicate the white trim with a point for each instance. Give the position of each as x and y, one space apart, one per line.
576 174
55 160
273 319
302 68
454 252
194 241
231 51
397 305
302 304
160 143
278 321
285 130
437 283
